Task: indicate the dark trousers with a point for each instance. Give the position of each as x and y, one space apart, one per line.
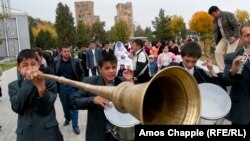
93 71
86 71
110 137
66 93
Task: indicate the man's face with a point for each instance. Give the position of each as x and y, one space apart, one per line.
106 46
216 14
65 53
92 45
189 62
135 47
84 49
28 64
245 37
108 71
158 44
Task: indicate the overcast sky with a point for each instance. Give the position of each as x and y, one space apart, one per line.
144 11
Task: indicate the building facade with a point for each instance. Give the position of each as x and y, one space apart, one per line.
14 33
85 12
125 13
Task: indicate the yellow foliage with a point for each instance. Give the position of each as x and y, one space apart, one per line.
45 27
201 22
242 16
177 24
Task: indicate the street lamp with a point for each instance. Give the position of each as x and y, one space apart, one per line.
179 37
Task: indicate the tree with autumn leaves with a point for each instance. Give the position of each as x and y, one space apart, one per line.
178 27
42 33
202 24
243 16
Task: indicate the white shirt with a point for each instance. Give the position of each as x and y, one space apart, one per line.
93 51
191 71
221 27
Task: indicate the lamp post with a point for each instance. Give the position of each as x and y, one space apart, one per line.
179 37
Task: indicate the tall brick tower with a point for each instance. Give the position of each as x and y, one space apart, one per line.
85 12
125 13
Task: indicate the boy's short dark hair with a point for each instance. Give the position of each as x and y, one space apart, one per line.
244 25
38 50
66 45
213 9
107 58
138 42
83 45
106 42
191 49
26 54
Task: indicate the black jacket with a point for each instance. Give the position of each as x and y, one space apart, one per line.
96 123
240 90
77 68
203 77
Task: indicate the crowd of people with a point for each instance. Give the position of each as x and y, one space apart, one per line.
32 97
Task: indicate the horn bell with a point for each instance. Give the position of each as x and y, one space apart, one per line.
171 97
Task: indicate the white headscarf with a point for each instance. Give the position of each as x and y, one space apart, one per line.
120 50
121 54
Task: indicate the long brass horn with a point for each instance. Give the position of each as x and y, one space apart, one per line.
170 97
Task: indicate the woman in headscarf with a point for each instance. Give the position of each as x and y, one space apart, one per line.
120 50
121 54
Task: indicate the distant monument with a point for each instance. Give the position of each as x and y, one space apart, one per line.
85 12
125 13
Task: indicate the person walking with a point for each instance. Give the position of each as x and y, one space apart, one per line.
70 68
83 58
93 57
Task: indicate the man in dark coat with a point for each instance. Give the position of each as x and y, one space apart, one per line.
33 98
83 57
106 49
237 74
70 68
93 57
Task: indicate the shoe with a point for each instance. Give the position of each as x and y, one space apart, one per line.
66 122
76 130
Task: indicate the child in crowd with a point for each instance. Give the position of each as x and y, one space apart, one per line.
33 98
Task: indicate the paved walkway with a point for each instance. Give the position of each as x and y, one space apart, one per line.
8 119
